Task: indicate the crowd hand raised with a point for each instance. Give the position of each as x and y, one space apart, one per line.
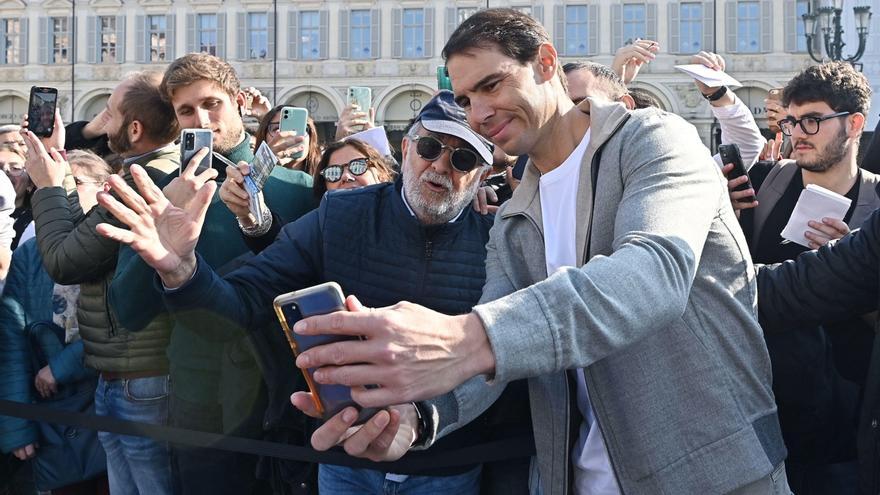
96 127
712 61
772 149
775 112
630 58
234 195
409 351
45 168
484 196
257 104
286 144
352 120
29 451
184 187
387 436
828 229
737 197
164 235
45 382
59 134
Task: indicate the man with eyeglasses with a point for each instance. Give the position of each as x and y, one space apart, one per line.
416 239
818 371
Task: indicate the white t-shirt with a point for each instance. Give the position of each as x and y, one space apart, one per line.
559 188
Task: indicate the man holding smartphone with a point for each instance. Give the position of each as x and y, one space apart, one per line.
217 385
616 282
416 239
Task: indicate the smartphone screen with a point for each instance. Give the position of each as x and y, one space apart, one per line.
191 141
317 300
41 110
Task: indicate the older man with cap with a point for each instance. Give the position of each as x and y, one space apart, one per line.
416 239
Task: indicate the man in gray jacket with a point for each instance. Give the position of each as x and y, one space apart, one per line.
618 281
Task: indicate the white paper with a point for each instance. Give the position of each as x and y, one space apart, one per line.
814 203
710 77
376 138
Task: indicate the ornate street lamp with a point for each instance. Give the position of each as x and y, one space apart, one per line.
828 19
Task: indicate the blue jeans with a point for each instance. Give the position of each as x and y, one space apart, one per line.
135 465
341 480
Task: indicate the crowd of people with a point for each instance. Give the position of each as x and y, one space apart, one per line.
552 257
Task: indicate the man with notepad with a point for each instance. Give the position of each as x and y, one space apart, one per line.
818 373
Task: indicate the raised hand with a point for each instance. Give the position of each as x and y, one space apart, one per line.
353 120
164 235
235 197
184 187
45 168
628 59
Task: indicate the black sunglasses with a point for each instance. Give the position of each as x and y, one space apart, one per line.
810 125
430 148
333 173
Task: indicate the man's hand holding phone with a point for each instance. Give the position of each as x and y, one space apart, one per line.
46 167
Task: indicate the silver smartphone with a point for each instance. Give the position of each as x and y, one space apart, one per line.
191 141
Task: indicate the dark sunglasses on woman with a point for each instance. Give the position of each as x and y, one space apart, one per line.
333 173
462 159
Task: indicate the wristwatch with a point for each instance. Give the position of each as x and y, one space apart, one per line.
717 94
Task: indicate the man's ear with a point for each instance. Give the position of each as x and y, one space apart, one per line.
856 124
547 61
404 145
628 101
241 101
135 131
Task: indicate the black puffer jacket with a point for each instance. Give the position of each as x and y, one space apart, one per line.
834 282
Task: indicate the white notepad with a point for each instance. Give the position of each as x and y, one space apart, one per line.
710 77
814 203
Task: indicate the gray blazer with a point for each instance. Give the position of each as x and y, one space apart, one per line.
662 318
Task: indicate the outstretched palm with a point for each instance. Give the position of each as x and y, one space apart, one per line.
164 235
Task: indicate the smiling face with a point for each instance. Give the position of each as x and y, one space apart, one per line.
204 105
825 149
436 191
505 101
350 181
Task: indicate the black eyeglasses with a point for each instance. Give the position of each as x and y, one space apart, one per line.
430 148
810 125
333 173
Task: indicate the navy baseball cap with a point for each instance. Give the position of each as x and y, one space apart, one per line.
442 114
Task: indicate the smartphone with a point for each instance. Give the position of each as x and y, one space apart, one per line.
730 154
191 141
318 300
294 119
775 94
41 110
362 97
443 81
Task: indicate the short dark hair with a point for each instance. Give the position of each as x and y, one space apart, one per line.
838 84
515 34
603 74
144 102
643 99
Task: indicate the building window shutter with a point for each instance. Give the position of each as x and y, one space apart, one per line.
593 29
451 21
766 26
616 27
221 35
651 21
44 40
730 28
93 26
538 13
324 33
429 32
120 39
344 49
3 37
191 45
170 36
559 28
674 28
23 41
396 33
293 35
270 34
241 40
709 26
375 33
